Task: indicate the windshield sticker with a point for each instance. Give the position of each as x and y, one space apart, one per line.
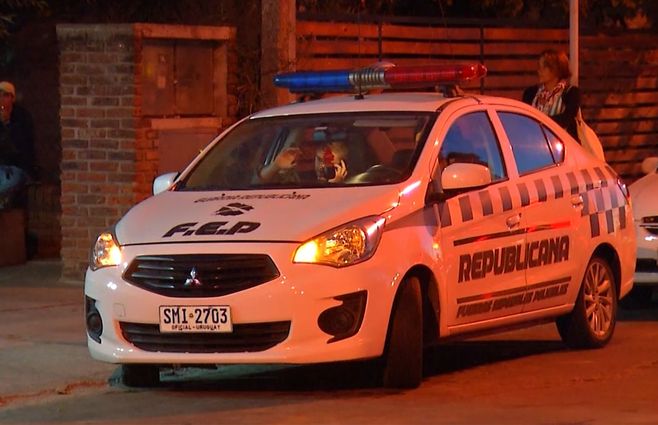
212 228
225 197
234 208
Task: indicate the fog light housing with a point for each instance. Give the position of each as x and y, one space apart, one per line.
93 320
344 320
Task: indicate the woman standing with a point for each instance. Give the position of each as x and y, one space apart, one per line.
554 95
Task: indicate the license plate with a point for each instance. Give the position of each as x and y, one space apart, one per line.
197 318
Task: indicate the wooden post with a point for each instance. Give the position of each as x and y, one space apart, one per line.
278 48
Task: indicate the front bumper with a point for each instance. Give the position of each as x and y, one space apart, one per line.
285 309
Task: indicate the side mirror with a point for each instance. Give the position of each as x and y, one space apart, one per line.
463 176
650 164
163 182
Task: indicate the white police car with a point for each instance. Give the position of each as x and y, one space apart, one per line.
644 193
363 227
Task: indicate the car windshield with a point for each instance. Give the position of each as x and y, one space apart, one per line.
313 151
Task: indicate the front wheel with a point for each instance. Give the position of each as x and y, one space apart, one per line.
403 355
592 321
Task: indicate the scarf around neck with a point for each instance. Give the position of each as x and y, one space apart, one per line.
550 101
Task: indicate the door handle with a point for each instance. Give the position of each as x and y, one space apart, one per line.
513 221
577 201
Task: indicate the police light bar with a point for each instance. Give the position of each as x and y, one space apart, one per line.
364 79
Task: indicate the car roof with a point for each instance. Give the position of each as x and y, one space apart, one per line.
412 102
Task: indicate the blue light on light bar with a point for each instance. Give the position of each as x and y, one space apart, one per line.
314 81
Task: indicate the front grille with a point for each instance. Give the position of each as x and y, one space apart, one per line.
248 337
646 265
200 275
650 224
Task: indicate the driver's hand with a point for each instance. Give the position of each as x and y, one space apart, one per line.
287 158
341 172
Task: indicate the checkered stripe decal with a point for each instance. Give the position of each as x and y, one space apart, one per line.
604 204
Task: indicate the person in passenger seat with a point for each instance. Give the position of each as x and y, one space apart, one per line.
330 164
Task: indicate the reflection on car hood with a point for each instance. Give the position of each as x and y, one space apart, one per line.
644 195
267 215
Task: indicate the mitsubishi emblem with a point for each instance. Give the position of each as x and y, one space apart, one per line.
192 280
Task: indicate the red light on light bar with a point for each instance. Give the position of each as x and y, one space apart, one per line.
422 75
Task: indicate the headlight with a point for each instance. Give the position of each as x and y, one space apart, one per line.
106 252
348 244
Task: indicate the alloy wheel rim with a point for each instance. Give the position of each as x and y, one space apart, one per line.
598 299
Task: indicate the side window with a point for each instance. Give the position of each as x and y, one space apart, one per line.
531 150
556 144
471 138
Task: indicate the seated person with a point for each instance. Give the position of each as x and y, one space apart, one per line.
12 182
16 149
330 164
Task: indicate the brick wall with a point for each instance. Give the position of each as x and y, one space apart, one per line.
146 151
109 149
98 98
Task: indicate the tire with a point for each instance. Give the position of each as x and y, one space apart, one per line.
592 321
140 375
403 355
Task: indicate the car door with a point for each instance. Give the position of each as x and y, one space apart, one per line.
550 209
479 228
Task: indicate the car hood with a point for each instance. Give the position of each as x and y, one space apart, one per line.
268 215
644 195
